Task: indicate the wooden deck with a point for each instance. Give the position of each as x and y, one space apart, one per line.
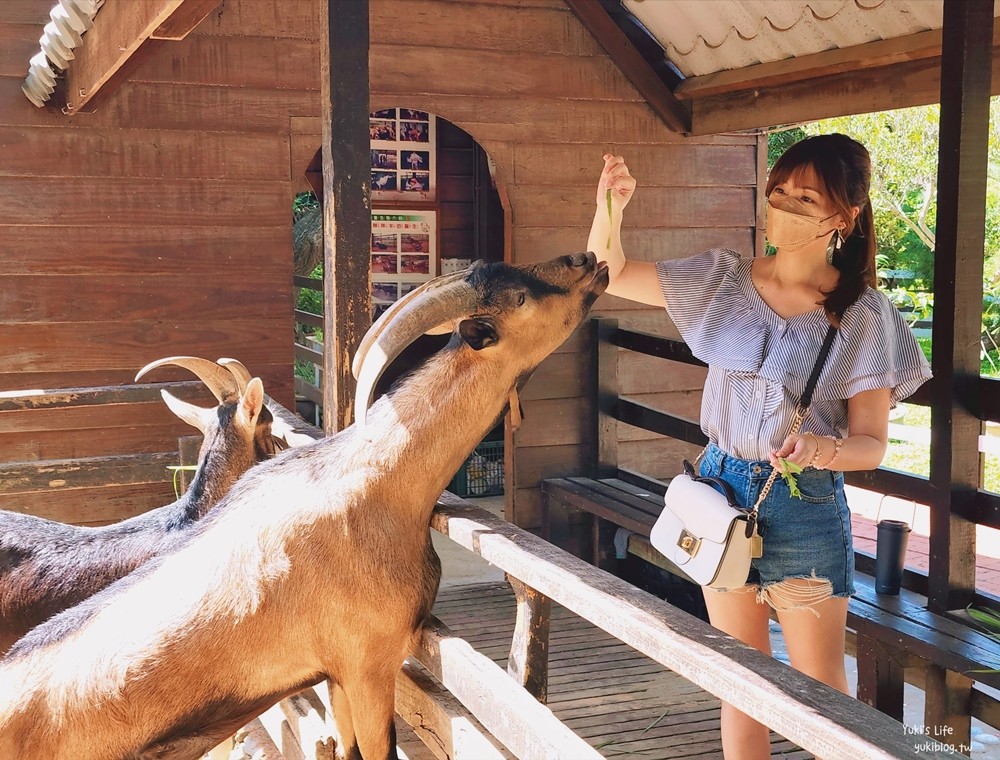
621 702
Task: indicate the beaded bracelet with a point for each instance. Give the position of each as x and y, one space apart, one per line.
838 443
812 462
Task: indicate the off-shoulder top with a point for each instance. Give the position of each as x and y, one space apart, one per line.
759 362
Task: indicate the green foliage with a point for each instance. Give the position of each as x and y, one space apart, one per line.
788 472
781 140
302 203
311 300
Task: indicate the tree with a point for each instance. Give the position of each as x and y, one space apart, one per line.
904 149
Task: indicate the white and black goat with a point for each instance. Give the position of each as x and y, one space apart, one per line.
318 564
48 566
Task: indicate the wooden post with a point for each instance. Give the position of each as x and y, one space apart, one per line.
189 446
966 59
346 201
604 368
948 706
880 677
528 663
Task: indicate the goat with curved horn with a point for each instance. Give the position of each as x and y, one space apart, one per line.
370 337
318 564
47 566
450 300
216 379
285 427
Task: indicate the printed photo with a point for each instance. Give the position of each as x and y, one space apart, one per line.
385 159
382 130
415 264
383 181
385 113
413 131
385 291
406 287
416 160
384 242
385 263
415 243
378 309
407 113
416 182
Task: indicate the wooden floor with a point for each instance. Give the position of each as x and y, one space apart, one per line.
621 702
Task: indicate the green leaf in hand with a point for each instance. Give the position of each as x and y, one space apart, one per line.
610 219
788 472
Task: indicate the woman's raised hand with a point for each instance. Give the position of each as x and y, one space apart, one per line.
615 177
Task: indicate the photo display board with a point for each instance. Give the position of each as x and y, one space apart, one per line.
402 155
402 254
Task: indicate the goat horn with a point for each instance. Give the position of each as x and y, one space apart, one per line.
389 314
218 380
452 299
237 370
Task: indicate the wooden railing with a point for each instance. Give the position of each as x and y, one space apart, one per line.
983 509
469 694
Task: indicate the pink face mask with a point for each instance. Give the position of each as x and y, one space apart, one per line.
790 231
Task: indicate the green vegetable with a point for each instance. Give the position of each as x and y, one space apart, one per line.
788 472
610 219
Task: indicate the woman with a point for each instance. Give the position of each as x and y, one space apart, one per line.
759 324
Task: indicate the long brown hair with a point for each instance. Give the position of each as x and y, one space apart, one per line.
844 168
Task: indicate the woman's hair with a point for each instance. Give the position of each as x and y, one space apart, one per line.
843 166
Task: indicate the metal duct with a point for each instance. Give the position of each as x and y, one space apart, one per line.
69 21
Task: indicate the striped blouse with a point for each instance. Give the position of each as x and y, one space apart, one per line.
759 363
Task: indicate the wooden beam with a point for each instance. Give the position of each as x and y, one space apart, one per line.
526 727
623 53
528 662
857 58
439 720
185 19
119 30
902 85
346 201
958 280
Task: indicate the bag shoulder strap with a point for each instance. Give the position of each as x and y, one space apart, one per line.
800 414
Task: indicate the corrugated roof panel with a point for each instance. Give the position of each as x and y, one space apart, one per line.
706 36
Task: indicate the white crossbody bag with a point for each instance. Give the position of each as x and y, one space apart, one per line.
704 530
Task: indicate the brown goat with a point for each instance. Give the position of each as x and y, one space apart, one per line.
259 601
48 566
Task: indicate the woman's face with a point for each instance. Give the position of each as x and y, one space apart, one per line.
803 193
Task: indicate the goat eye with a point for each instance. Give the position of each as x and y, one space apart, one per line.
520 299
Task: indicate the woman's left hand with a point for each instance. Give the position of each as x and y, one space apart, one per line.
799 449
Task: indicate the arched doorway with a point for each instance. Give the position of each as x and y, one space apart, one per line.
436 208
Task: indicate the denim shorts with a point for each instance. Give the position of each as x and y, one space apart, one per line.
808 536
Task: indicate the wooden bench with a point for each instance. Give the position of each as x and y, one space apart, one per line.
896 639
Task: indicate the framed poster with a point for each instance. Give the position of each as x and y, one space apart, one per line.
403 254
402 155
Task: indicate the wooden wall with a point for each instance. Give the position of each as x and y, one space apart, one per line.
158 225
161 223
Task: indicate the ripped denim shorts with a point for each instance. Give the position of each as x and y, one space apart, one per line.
808 536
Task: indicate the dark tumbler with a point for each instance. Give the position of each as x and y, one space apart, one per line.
890 555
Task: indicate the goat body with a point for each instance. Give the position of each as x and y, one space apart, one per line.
260 601
48 566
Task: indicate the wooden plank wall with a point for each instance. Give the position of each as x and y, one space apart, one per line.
158 225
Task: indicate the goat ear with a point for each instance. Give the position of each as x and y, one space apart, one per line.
193 415
251 402
479 332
